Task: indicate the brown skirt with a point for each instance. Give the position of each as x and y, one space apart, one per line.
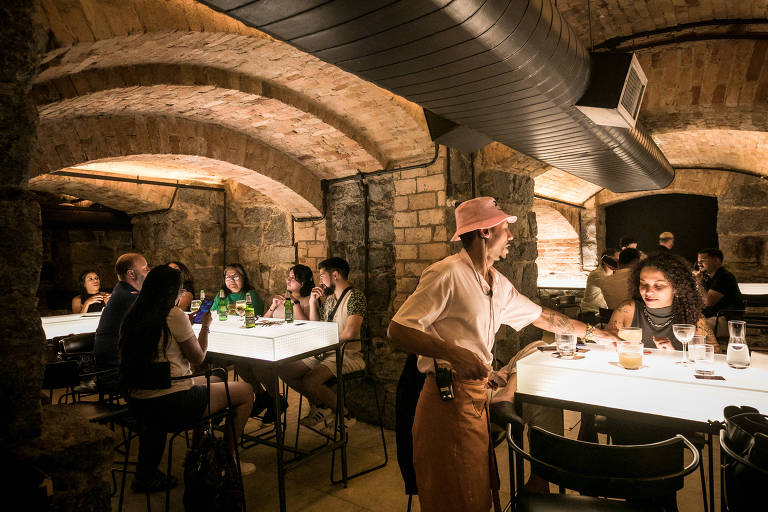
450 448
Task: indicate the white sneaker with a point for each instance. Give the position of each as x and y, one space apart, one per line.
330 422
316 415
247 468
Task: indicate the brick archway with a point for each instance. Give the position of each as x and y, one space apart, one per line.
557 242
701 182
390 129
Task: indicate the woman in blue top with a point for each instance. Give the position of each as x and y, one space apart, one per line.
236 286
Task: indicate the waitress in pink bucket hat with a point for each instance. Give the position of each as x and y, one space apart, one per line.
452 317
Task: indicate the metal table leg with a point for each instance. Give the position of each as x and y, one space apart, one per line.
340 413
279 438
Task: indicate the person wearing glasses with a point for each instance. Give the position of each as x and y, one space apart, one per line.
236 286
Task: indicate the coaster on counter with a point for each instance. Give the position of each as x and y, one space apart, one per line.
558 356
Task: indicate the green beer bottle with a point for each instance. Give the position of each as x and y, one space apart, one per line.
288 308
222 306
250 314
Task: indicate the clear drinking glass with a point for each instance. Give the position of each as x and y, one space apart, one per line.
566 345
738 352
684 333
240 307
704 358
631 334
630 354
195 305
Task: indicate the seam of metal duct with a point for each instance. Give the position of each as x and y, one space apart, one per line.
509 69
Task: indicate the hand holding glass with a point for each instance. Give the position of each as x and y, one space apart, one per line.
684 333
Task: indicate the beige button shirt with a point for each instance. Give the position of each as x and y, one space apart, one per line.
616 287
452 303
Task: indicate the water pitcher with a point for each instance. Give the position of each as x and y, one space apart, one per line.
738 352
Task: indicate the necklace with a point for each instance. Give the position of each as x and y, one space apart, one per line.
650 320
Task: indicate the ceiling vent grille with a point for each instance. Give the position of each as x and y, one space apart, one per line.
616 89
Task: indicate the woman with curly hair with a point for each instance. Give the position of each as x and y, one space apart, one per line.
664 292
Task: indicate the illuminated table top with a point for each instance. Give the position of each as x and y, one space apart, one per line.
659 388
64 325
271 342
754 288
565 283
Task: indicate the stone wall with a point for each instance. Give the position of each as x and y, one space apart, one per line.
557 240
742 227
67 253
259 236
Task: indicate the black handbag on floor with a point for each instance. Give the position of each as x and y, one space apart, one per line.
210 482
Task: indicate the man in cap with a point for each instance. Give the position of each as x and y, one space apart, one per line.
453 315
666 241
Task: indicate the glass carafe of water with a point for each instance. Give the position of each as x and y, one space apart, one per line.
738 352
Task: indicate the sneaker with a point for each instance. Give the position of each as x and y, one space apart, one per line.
158 482
317 415
247 468
329 430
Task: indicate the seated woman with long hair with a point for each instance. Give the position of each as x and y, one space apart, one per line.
91 298
187 285
237 286
299 283
155 330
664 293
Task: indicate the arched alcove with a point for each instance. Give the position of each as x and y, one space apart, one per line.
692 219
557 243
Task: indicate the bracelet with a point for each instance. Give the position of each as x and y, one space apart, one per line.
590 331
206 328
272 310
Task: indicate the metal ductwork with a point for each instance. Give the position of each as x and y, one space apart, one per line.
509 70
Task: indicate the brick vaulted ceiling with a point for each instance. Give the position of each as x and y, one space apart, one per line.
256 106
145 81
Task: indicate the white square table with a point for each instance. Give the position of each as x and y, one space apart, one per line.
659 393
64 325
276 345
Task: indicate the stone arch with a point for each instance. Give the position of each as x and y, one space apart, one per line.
557 242
390 129
702 182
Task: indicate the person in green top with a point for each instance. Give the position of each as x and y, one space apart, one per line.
236 286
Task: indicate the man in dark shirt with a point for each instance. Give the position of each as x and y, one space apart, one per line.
721 286
131 269
666 242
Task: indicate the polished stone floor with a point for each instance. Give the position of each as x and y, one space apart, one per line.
309 488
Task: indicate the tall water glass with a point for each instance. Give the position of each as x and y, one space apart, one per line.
704 358
684 333
738 352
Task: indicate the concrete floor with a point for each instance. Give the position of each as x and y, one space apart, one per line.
309 489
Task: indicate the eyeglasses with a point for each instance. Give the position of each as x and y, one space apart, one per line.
232 277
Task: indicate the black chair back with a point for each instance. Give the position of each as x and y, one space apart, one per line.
157 376
61 375
77 343
639 471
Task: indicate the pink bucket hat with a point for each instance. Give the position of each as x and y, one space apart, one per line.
479 213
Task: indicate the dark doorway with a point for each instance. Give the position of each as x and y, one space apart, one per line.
693 220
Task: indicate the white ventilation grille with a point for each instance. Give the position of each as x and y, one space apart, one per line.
632 96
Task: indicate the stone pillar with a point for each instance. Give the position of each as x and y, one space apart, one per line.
589 228
21 335
311 242
76 459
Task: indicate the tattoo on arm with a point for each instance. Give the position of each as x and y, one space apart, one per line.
558 322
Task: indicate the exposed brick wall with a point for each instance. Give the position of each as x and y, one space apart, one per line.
557 241
722 149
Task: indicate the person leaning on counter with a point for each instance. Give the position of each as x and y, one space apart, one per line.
453 315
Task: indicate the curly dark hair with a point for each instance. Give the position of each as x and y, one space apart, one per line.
687 301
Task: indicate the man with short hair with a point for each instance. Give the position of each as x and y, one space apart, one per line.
627 242
345 305
131 269
452 317
616 287
721 286
666 241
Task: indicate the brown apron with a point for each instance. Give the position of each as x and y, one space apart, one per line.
451 455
